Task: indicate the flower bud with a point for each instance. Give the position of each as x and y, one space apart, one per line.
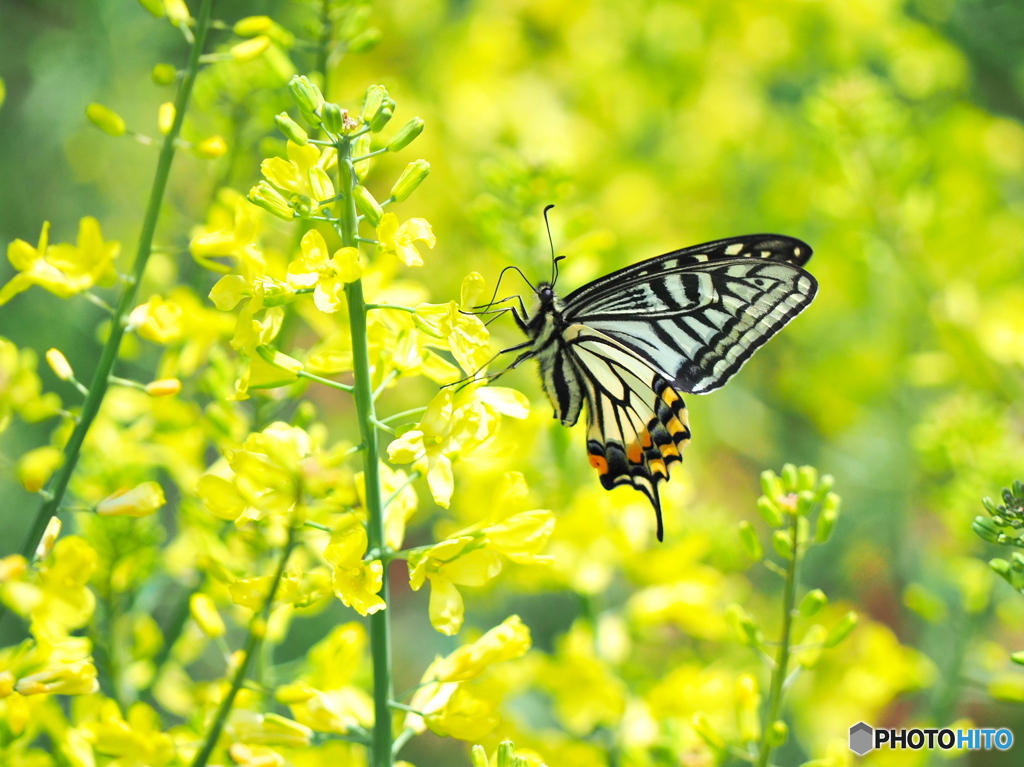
406 134
1002 567
37 466
59 365
812 603
778 734
751 543
984 527
769 511
206 616
382 118
164 74
211 148
804 502
271 200
177 12
250 49
165 117
291 129
832 502
771 485
478 756
841 630
141 501
789 477
165 387
50 536
307 97
806 478
369 206
251 26
1017 657
825 485
826 524
155 7
506 753
333 118
106 119
411 178
782 541
373 102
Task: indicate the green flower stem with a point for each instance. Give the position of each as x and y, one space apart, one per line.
781 666
129 294
380 622
326 381
257 630
410 309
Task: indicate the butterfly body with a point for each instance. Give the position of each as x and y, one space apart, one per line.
629 344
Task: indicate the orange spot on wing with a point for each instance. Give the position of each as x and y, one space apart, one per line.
645 439
634 453
599 463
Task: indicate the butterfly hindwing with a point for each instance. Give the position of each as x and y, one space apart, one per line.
637 423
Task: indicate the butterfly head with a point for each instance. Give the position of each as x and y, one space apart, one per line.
545 294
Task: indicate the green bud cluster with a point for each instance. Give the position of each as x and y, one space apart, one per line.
1005 522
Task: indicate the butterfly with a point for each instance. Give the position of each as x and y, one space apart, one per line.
628 345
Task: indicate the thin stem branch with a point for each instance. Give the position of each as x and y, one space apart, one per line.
257 630
781 668
126 302
326 381
380 622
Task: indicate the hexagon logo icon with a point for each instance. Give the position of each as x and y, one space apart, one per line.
862 738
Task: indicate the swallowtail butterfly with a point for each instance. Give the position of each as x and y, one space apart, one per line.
629 344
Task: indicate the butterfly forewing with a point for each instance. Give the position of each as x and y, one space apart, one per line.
697 315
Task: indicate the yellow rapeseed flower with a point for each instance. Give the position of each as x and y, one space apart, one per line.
400 239
356 582
510 639
62 269
462 561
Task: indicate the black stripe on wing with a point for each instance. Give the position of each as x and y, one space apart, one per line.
638 287
744 303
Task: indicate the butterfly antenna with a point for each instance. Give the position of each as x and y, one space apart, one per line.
551 242
494 295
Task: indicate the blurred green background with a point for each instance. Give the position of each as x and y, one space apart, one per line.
886 134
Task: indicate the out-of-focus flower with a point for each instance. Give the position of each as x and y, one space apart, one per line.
137 740
463 716
62 269
356 583
509 640
140 501
586 692
20 387
158 320
268 729
37 466
267 475
463 334
400 239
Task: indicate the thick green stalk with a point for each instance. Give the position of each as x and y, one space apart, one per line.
108 358
257 630
380 622
781 669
